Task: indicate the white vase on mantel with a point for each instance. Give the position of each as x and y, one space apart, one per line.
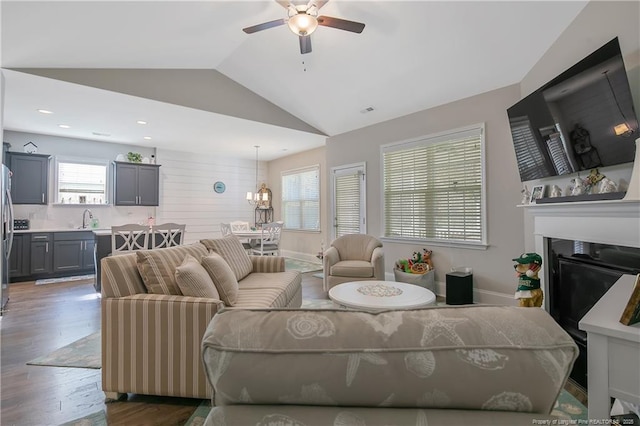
633 192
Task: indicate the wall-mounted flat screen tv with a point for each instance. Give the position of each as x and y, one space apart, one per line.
582 119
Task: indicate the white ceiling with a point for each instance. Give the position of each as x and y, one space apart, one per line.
411 56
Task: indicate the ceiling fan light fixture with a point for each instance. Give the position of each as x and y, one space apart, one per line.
302 24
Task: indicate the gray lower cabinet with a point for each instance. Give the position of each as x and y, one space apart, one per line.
19 256
51 254
88 256
30 178
136 184
41 256
72 250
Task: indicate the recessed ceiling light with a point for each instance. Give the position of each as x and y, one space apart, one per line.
45 111
64 126
141 122
147 138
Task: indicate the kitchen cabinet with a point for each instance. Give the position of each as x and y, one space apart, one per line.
136 184
19 256
88 255
30 178
41 254
72 251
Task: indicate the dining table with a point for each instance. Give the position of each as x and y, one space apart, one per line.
251 234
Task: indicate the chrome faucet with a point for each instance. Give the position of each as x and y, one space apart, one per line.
84 218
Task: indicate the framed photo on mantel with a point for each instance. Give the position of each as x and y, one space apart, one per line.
631 313
536 193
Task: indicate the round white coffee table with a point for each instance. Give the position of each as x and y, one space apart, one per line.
381 295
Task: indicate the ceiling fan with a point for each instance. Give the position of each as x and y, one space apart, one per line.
304 19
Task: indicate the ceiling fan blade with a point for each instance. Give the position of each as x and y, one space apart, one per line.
264 26
341 24
284 3
305 44
317 3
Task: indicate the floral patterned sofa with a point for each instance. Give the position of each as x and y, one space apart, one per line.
480 365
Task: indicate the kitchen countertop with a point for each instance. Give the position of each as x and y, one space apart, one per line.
98 231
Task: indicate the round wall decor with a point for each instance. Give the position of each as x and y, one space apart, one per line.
219 187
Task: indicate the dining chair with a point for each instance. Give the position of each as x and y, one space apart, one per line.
270 241
126 238
167 235
225 229
239 225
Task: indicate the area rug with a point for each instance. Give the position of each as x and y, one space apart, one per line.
318 304
96 419
83 353
567 408
201 413
64 279
291 264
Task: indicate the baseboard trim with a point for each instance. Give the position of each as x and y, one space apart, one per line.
479 296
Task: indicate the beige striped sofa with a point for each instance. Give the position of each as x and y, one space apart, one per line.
151 342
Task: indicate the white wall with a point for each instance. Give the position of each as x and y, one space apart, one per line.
187 195
56 216
494 279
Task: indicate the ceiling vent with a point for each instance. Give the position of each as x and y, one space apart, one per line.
367 109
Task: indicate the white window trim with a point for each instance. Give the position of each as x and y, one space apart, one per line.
83 160
301 170
363 207
430 139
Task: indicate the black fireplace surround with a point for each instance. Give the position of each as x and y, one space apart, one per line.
580 274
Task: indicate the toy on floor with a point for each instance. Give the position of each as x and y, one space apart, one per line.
529 292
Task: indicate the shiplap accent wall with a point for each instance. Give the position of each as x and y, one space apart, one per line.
187 195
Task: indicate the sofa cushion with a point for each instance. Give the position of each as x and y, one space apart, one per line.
231 250
158 267
285 286
222 276
511 358
193 279
352 268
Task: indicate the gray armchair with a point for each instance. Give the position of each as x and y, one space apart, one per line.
353 257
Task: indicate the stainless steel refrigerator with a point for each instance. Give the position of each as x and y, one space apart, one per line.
6 210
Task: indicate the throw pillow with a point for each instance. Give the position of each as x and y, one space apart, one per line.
158 267
193 279
231 250
223 278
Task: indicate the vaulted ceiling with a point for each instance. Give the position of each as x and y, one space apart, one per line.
204 85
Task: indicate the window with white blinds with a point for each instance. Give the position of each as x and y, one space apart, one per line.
81 183
301 199
434 188
531 163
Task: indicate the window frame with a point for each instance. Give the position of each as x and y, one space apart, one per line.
426 140
87 161
300 170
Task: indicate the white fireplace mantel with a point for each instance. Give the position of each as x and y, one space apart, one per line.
615 222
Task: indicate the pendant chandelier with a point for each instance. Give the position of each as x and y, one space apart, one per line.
254 198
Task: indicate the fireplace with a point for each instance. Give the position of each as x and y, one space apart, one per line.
580 273
590 240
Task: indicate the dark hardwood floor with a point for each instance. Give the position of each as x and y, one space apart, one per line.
40 319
